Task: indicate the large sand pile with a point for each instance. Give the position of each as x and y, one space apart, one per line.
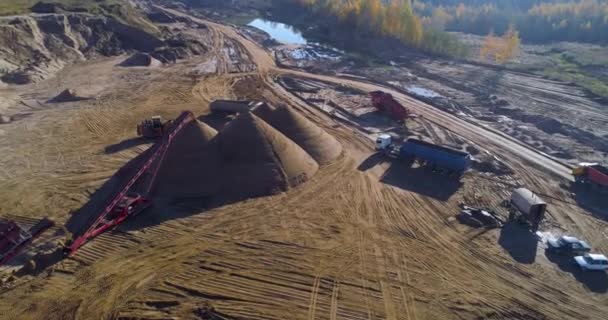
190 167
141 60
259 160
322 146
248 158
263 111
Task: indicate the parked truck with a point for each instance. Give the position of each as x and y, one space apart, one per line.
428 154
591 174
527 207
385 102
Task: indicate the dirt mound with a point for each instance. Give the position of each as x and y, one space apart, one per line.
249 158
47 42
179 46
191 164
259 160
140 60
264 111
67 95
44 7
5 119
317 142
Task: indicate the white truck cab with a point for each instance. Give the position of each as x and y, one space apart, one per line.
383 141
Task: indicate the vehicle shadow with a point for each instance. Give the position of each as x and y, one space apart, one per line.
591 200
126 144
596 281
375 119
371 161
420 180
519 242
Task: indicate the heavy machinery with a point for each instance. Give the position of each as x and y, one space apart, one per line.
126 202
591 174
479 217
153 127
436 157
385 102
13 238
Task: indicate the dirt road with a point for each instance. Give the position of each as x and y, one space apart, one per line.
497 142
354 242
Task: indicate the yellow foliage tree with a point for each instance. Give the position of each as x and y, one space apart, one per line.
394 17
501 49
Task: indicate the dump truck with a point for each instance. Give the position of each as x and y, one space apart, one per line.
591 174
427 154
526 207
385 102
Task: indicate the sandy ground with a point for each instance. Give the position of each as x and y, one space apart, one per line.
364 239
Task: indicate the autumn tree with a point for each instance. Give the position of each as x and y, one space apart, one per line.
392 18
500 49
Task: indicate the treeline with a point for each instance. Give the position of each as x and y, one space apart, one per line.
538 21
392 18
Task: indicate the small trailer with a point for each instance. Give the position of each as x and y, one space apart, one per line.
526 207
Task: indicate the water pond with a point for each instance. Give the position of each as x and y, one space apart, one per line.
280 32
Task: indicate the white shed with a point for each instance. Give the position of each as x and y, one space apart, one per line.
529 204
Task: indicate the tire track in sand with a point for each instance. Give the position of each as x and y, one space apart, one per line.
314 294
333 310
408 299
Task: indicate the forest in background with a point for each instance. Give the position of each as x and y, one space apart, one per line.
504 25
393 18
538 21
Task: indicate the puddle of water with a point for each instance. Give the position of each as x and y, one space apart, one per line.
423 92
279 31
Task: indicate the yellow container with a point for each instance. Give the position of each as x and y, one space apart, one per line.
578 171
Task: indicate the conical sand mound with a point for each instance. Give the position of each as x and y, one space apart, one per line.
259 160
67 95
206 131
141 60
191 164
322 146
264 111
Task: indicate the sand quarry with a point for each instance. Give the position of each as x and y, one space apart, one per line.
282 213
